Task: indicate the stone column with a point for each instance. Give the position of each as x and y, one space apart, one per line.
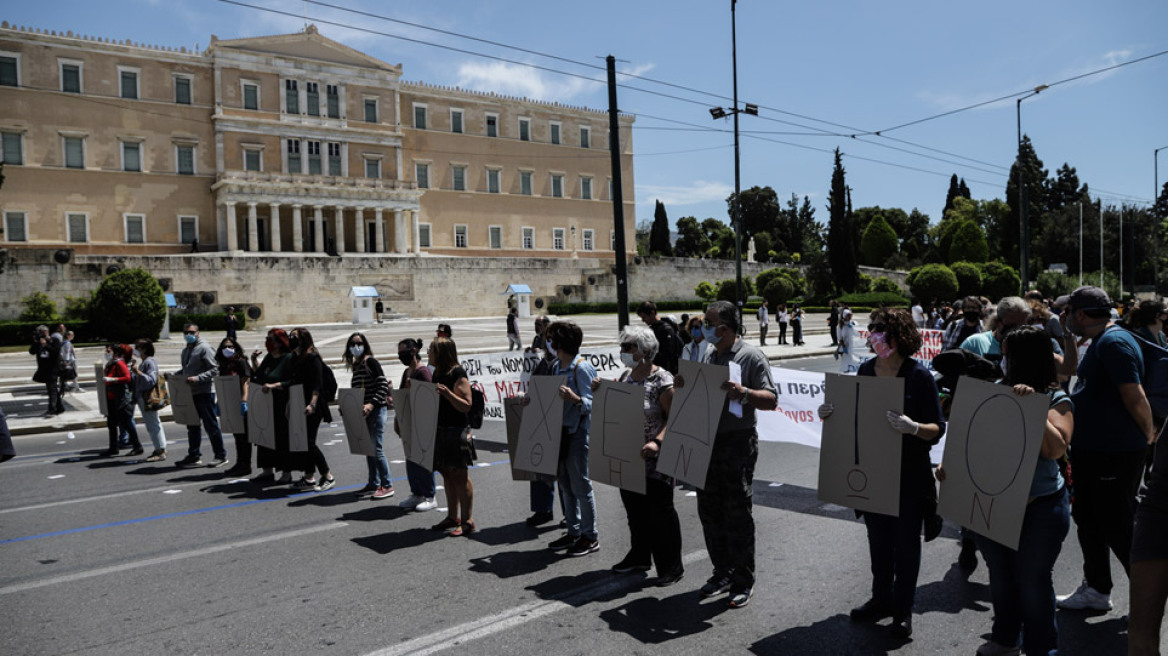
399 231
417 235
340 230
359 229
379 231
318 225
232 235
297 230
253 242
274 210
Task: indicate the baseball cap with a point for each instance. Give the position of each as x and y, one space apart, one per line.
1086 298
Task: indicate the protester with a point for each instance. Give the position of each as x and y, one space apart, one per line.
48 352
796 326
514 343
233 362
453 450
1111 436
421 480
724 505
1021 580
697 348
199 370
654 529
894 543
66 368
783 317
845 334
833 320
119 395
7 450
542 489
964 325
918 314
444 330
563 341
764 322
1049 322
308 372
1149 562
666 333
232 324
1147 320
276 366
145 380
369 377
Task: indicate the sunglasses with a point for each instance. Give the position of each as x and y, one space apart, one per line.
877 327
628 348
190 332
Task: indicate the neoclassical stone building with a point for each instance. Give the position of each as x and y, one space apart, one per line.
293 144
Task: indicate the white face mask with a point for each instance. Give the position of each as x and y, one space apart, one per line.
229 353
552 350
356 350
109 356
137 354
628 360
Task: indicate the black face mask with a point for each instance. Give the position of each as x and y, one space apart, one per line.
406 357
294 343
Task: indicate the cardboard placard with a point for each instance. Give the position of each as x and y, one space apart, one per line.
102 402
992 448
351 404
537 448
513 410
617 436
859 458
230 397
261 416
402 417
423 402
693 422
297 420
182 402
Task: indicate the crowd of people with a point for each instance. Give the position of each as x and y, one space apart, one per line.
1097 463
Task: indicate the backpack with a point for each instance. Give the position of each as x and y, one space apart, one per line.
328 383
670 346
478 407
1155 375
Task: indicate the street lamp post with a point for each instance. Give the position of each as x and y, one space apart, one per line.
1023 209
1156 219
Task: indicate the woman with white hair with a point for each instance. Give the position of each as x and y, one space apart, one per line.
655 531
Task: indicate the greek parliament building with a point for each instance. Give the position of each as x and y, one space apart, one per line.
292 144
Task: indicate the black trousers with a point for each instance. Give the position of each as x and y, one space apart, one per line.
894 547
118 420
315 460
654 528
782 332
1104 508
725 506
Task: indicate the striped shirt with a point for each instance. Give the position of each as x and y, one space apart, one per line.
371 377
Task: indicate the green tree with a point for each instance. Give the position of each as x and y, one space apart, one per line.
764 245
798 283
38 307
933 281
128 305
691 239
727 289
706 291
644 228
999 280
878 243
841 248
1053 284
885 284
760 211
968 244
778 290
968 278
659 233
1036 189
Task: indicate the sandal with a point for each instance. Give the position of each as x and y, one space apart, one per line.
467 528
445 524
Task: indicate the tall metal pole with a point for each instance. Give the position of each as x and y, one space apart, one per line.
1121 252
1156 219
618 204
1023 244
1080 243
1101 245
738 292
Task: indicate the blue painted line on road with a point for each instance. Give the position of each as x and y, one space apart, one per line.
199 511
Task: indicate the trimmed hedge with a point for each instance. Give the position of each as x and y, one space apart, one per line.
211 321
16 333
873 299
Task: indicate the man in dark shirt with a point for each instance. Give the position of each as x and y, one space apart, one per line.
833 323
666 333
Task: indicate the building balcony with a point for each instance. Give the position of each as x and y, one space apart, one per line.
264 178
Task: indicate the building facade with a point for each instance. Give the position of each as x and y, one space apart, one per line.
288 144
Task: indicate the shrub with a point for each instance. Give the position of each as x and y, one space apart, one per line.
864 284
968 243
798 283
778 290
884 284
19 333
727 289
706 291
128 305
77 307
38 307
968 279
998 280
933 281
1053 284
873 299
878 243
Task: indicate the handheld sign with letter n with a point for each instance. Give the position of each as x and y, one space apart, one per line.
990 454
693 422
617 436
859 460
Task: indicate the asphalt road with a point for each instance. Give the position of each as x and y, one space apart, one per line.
119 556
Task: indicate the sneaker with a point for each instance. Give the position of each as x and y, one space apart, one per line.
583 547
427 504
902 627
367 491
539 519
1085 598
158 456
284 479
136 452
305 484
669 578
991 648
411 502
565 541
218 462
630 564
188 462
326 484
238 471
740 597
382 493
716 585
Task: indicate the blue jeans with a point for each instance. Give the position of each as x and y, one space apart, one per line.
153 426
1021 586
421 480
576 487
378 465
205 405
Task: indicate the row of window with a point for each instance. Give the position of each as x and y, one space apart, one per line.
77 227
73 147
72 78
527 237
459 172
491 127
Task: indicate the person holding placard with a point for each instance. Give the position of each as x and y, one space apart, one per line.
145 380
724 504
894 543
308 370
453 451
119 396
369 377
199 370
275 367
1021 581
233 362
654 528
422 485
563 342
695 350
542 489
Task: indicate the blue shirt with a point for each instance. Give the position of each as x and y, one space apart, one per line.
578 418
1047 477
1102 422
987 344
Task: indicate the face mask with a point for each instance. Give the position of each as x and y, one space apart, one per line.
109 356
229 353
430 368
137 354
406 357
696 333
356 350
628 360
880 345
710 333
552 350
294 343
190 338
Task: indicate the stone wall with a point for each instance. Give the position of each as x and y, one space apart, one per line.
303 288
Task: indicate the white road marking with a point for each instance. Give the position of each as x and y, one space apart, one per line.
512 617
56 476
102 497
172 491
775 485
182 555
397 462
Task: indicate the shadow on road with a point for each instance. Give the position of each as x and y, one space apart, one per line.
953 593
1085 634
515 533
385 543
654 621
834 635
508 564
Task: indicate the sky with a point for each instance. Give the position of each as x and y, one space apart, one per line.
820 73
